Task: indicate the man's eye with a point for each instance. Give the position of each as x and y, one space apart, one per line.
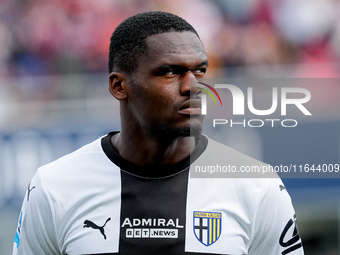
200 71
172 72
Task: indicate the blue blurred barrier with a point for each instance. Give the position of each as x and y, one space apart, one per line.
24 151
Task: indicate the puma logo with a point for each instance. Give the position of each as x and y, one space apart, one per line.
29 191
289 240
282 187
90 224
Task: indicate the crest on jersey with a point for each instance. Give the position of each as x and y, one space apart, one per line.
207 227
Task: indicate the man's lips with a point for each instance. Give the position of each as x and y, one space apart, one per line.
191 107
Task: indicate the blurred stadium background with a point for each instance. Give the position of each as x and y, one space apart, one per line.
54 88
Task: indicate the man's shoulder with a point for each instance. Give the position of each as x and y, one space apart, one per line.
222 161
69 164
229 153
227 171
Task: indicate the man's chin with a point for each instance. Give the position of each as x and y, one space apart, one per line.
189 131
178 132
195 131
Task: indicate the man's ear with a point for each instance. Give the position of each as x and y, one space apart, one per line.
117 83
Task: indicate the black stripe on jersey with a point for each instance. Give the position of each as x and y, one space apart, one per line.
157 201
153 171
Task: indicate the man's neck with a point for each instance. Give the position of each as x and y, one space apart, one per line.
150 150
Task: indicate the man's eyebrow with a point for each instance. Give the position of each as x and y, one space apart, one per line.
204 63
167 66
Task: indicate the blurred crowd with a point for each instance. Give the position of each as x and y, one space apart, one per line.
39 37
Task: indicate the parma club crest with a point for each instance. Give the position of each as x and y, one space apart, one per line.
207 227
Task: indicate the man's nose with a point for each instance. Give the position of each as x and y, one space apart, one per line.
189 84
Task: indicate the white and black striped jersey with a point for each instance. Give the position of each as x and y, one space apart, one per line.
93 201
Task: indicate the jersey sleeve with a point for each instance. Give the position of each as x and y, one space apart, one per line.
275 228
36 232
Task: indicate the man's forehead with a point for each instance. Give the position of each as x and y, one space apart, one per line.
181 48
174 42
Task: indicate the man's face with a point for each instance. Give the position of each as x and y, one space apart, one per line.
163 96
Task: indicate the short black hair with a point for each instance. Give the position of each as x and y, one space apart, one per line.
128 40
